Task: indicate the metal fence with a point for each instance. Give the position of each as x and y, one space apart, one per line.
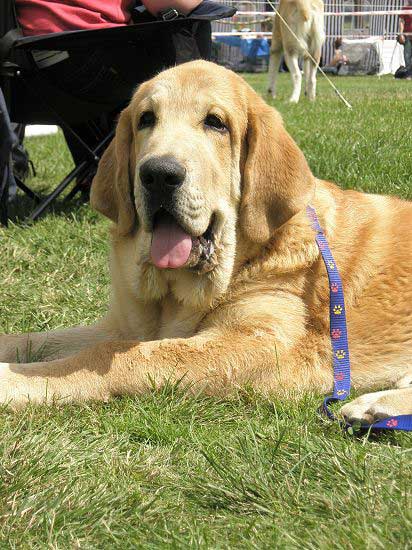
343 18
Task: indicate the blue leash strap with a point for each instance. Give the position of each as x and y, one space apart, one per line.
339 338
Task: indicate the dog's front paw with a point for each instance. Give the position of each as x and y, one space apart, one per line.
11 390
405 381
19 386
371 407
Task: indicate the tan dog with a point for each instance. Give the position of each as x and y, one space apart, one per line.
305 19
216 274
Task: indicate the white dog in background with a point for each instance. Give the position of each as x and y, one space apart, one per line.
305 19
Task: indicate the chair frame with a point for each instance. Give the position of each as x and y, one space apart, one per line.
25 69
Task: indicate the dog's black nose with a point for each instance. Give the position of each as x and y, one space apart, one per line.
163 171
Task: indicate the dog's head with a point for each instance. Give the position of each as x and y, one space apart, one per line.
199 163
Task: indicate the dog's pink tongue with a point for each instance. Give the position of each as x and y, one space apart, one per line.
171 246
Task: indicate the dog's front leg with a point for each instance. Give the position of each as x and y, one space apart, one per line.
212 361
46 346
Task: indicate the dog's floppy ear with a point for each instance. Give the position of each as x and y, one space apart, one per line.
277 181
111 192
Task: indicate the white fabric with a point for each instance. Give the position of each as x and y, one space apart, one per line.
389 51
40 130
392 57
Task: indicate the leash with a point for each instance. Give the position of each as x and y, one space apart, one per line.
339 340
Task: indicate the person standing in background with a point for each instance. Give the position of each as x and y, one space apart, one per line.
405 36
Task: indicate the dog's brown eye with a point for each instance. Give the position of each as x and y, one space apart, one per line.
146 120
214 122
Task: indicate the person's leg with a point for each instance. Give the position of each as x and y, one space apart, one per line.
89 76
407 53
91 133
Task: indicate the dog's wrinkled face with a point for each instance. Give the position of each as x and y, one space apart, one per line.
199 163
187 178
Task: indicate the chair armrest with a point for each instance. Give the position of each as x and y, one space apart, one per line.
69 40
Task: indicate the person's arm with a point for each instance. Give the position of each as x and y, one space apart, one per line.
182 6
401 37
336 58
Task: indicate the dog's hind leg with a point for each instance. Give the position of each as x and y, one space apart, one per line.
372 407
306 74
310 79
274 64
275 56
293 66
317 38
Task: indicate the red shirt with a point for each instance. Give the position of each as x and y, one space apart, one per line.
49 16
407 19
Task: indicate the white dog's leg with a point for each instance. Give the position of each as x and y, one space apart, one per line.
274 64
306 75
293 66
311 80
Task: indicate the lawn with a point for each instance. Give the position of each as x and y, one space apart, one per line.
170 470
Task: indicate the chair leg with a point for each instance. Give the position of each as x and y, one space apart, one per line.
82 168
27 190
4 199
72 193
4 211
81 187
56 192
76 189
4 218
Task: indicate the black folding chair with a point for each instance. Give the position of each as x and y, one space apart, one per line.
36 92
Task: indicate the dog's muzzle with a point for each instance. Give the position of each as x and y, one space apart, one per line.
161 177
172 246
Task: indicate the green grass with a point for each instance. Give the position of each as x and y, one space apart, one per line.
169 470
